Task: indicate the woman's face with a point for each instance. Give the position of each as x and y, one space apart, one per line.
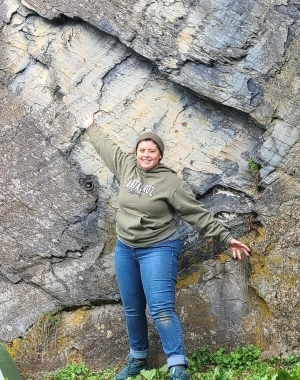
148 155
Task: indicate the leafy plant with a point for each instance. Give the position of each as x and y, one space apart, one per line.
241 364
253 166
153 374
71 372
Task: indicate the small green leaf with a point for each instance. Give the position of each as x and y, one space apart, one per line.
148 374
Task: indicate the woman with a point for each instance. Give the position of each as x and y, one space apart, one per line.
148 244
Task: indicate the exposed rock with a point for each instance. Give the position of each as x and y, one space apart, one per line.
220 83
224 51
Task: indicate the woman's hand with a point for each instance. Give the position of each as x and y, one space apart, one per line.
87 119
238 248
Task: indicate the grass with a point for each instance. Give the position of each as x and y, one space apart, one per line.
241 364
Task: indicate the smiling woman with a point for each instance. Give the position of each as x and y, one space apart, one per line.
148 245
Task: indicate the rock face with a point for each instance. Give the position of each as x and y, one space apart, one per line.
220 83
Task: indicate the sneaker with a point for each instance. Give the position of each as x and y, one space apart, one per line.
132 368
178 373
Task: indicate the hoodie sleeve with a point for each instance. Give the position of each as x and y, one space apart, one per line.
109 151
184 203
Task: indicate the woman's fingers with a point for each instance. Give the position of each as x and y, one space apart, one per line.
238 248
87 119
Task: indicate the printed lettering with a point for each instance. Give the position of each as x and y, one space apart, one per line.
135 187
127 182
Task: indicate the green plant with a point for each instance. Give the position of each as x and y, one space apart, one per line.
201 358
47 320
240 364
46 323
80 372
153 374
241 358
253 166
70 372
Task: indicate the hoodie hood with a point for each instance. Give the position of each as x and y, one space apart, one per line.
157 170
160 168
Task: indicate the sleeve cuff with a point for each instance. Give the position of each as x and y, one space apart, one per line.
90 127
228 240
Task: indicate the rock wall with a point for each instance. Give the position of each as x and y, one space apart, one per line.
220 83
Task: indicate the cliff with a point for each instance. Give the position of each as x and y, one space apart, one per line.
219 82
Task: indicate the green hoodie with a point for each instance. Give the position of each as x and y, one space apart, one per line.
148 200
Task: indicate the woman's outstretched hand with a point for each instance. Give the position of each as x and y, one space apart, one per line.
238 248
87 119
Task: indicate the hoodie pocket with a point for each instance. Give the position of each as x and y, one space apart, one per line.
129 221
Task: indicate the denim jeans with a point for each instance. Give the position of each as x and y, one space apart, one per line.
148 276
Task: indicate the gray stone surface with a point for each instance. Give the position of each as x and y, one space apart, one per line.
224 51
220 83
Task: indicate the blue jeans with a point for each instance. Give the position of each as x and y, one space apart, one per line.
148 276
